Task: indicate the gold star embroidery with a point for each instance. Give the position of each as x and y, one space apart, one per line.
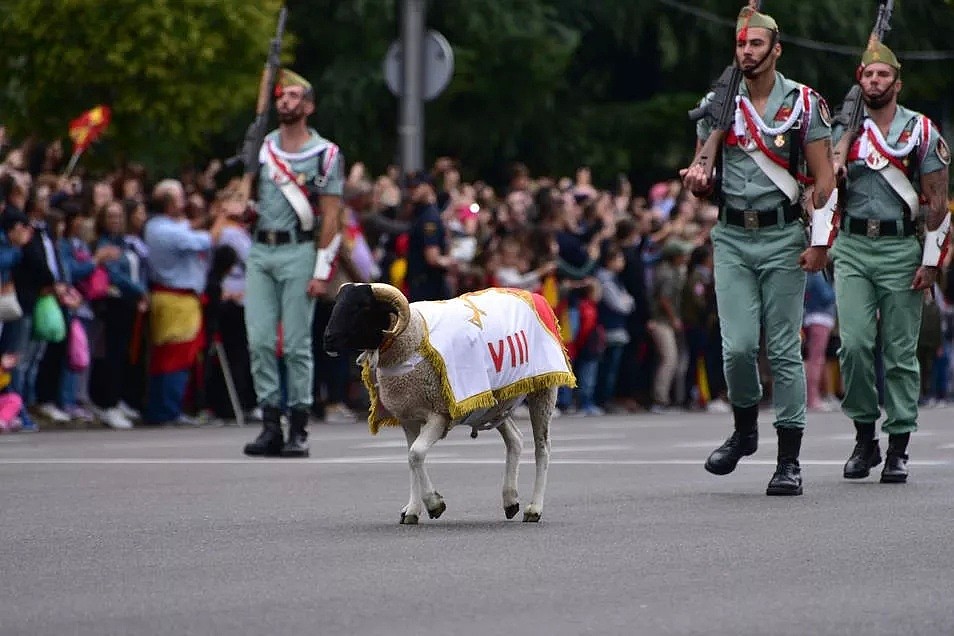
475 318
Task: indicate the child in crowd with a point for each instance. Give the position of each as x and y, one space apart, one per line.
589 346
514 269
10 402
614 309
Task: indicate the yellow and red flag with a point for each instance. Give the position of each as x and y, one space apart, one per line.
85 129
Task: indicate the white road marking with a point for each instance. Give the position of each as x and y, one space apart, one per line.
391 459
581 449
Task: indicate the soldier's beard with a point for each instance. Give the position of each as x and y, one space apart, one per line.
290 117
759 67
881 100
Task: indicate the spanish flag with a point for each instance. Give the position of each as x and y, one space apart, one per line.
85 129
702 382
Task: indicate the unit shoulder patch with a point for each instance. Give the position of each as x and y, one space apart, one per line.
824 113
943 151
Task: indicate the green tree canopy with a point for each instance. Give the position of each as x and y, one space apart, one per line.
171 70
553 83
558 83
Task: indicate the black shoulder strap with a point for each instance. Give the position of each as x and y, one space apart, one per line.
794 151
795 137
320 170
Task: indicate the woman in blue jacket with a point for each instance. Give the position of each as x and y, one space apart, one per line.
127 297
15 232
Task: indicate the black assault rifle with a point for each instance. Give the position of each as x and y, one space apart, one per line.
720 109
851 111
255 135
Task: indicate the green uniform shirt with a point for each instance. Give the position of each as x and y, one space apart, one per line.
868 194
274 210
744 185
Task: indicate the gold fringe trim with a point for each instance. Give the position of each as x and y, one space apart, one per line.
375 419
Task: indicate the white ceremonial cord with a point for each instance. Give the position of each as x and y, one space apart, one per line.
743 102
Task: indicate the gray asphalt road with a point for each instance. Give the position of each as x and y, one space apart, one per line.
174 532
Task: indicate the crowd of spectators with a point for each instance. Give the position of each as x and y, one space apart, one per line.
629 276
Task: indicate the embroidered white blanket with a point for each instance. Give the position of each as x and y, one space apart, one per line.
493 345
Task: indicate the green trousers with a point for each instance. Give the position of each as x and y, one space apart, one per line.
873 285
759 284
276 280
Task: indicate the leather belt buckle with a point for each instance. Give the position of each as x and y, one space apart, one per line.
750 219
271 237
874 228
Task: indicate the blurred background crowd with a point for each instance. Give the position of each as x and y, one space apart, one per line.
628 273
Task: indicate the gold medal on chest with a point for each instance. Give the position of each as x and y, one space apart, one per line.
779 141
875 160
300 179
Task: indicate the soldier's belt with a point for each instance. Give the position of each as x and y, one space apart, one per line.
873 228
283 237
755 219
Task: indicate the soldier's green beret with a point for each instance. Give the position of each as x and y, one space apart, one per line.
288 78
750 18
878 52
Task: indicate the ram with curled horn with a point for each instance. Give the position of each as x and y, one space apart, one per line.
430 366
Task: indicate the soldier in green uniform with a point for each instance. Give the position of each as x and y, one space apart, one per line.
761 250
897 164
296 239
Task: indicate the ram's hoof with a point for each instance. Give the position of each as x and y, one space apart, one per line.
408 520
531 517
511 510
438 511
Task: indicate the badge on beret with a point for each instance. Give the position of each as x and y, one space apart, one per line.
823 113
430 228
943 151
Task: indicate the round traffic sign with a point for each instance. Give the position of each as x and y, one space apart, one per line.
438 65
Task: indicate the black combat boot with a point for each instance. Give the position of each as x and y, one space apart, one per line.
744 441
867 452
895 469
269 441
787 479
297 444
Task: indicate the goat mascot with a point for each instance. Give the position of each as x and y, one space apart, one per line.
429 366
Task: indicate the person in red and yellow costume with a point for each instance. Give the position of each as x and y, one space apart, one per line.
179 263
